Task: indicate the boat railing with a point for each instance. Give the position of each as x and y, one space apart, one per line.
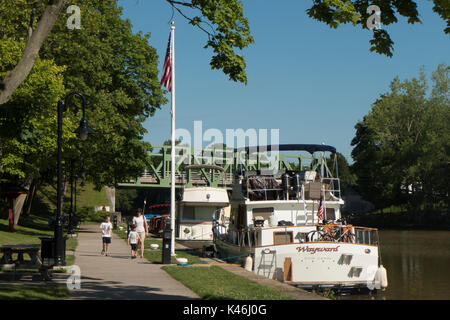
343 233
331 188
366 235
260 187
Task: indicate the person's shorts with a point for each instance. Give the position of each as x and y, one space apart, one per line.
106 239
142 235
133 246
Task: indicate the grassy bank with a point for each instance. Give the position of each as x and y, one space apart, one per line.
30 235
215 283
155 256
31 228
34 292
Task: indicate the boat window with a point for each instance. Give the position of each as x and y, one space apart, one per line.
283 237
188 213
330 214
263 212
204 213
198 213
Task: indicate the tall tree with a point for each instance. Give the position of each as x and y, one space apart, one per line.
402 146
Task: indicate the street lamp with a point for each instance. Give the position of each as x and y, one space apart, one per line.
83 131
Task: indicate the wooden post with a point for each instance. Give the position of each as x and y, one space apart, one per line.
287 269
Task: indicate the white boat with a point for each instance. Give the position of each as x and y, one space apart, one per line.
275 228
198 206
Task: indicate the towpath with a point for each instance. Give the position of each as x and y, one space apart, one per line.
117 276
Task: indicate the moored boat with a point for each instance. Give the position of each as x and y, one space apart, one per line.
286 224
199 205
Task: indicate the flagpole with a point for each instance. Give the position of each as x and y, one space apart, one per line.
172 185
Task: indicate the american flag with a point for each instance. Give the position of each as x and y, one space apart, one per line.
166 80
320 211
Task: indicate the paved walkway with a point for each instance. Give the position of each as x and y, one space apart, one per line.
118 276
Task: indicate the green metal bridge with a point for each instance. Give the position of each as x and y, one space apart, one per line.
221 166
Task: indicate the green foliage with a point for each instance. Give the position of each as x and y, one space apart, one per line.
336 12
402 146
125 199
228 30
88 214
28 120
343 172
113 68
117 72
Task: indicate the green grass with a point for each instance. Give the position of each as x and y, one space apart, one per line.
215 283
35 227
88 197
23 235
155 256
71 244
35 292
70 259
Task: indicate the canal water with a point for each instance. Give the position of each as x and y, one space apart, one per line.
417 263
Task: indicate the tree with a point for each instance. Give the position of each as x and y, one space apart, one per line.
115 70
343 170
402 146
335 12
231 31
16 76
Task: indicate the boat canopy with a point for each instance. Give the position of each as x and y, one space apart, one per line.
311 148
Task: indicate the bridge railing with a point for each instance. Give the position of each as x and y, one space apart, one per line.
232 161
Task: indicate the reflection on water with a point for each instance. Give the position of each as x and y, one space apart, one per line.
417 263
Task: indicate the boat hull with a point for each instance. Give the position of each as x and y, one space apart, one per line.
311 264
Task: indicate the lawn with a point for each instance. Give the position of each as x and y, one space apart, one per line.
34 292
215 283
35 227
24 235
155 256
86 196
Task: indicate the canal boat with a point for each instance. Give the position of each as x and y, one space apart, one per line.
158 217
286 223
201 202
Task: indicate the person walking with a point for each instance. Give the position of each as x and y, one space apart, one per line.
106 228
141 228
133 238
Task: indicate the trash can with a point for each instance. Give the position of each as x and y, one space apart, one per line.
167 246
48 250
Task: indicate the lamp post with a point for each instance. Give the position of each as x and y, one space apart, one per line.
83 131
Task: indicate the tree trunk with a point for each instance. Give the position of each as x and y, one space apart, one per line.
17 207
14 78
30 197
111 195
20 200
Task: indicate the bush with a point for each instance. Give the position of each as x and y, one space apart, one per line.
88 214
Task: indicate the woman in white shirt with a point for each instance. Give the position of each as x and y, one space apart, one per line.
141 228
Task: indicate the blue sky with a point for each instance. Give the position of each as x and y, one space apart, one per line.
311 82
